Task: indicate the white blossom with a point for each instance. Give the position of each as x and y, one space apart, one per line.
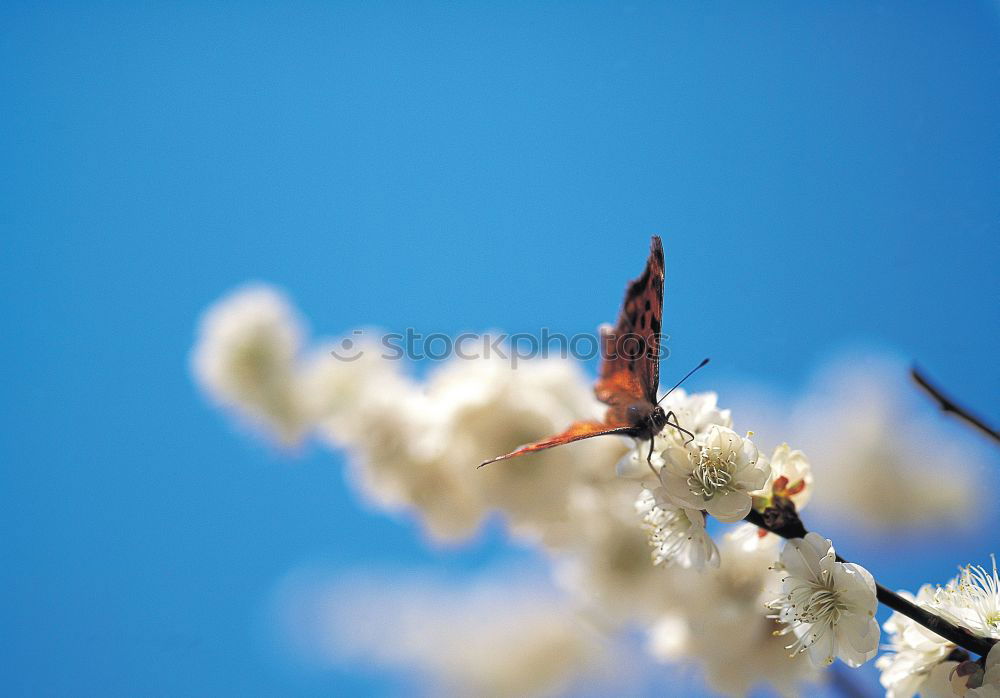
828 605
990 686
914 651
720 622
972 600
677 535
791 476
245 359
695 412
938 683
749 538
716 472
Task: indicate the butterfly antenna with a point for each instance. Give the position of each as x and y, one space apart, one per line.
690 373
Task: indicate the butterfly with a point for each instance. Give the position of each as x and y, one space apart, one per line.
630 369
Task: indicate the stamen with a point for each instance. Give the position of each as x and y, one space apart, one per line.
712 474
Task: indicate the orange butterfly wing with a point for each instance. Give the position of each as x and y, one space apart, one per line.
576 432
630 369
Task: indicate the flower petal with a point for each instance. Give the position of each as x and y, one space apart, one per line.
729 505
821 645
676 489
800 560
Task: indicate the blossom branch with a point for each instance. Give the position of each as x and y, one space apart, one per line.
792 527
949 405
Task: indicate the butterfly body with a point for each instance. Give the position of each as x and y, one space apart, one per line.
630 368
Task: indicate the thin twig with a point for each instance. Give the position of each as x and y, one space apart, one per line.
946 629
949 405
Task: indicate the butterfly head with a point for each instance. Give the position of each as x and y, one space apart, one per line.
646 416
657 419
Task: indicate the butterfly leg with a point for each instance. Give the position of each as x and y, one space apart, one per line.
678 427
649 456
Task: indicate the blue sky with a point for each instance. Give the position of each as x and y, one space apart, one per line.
821 174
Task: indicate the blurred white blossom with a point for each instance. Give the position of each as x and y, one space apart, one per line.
245 359
882 451
828 605
485 408
393 433
716 472
749 538
605 564
343 397
501 636
667 639
416 446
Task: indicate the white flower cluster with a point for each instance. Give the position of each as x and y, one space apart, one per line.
920 661
829 606
413 446
720 623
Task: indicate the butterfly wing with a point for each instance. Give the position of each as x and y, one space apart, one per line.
630 369
577 431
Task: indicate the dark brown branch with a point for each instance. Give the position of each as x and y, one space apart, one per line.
946 629
948 405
